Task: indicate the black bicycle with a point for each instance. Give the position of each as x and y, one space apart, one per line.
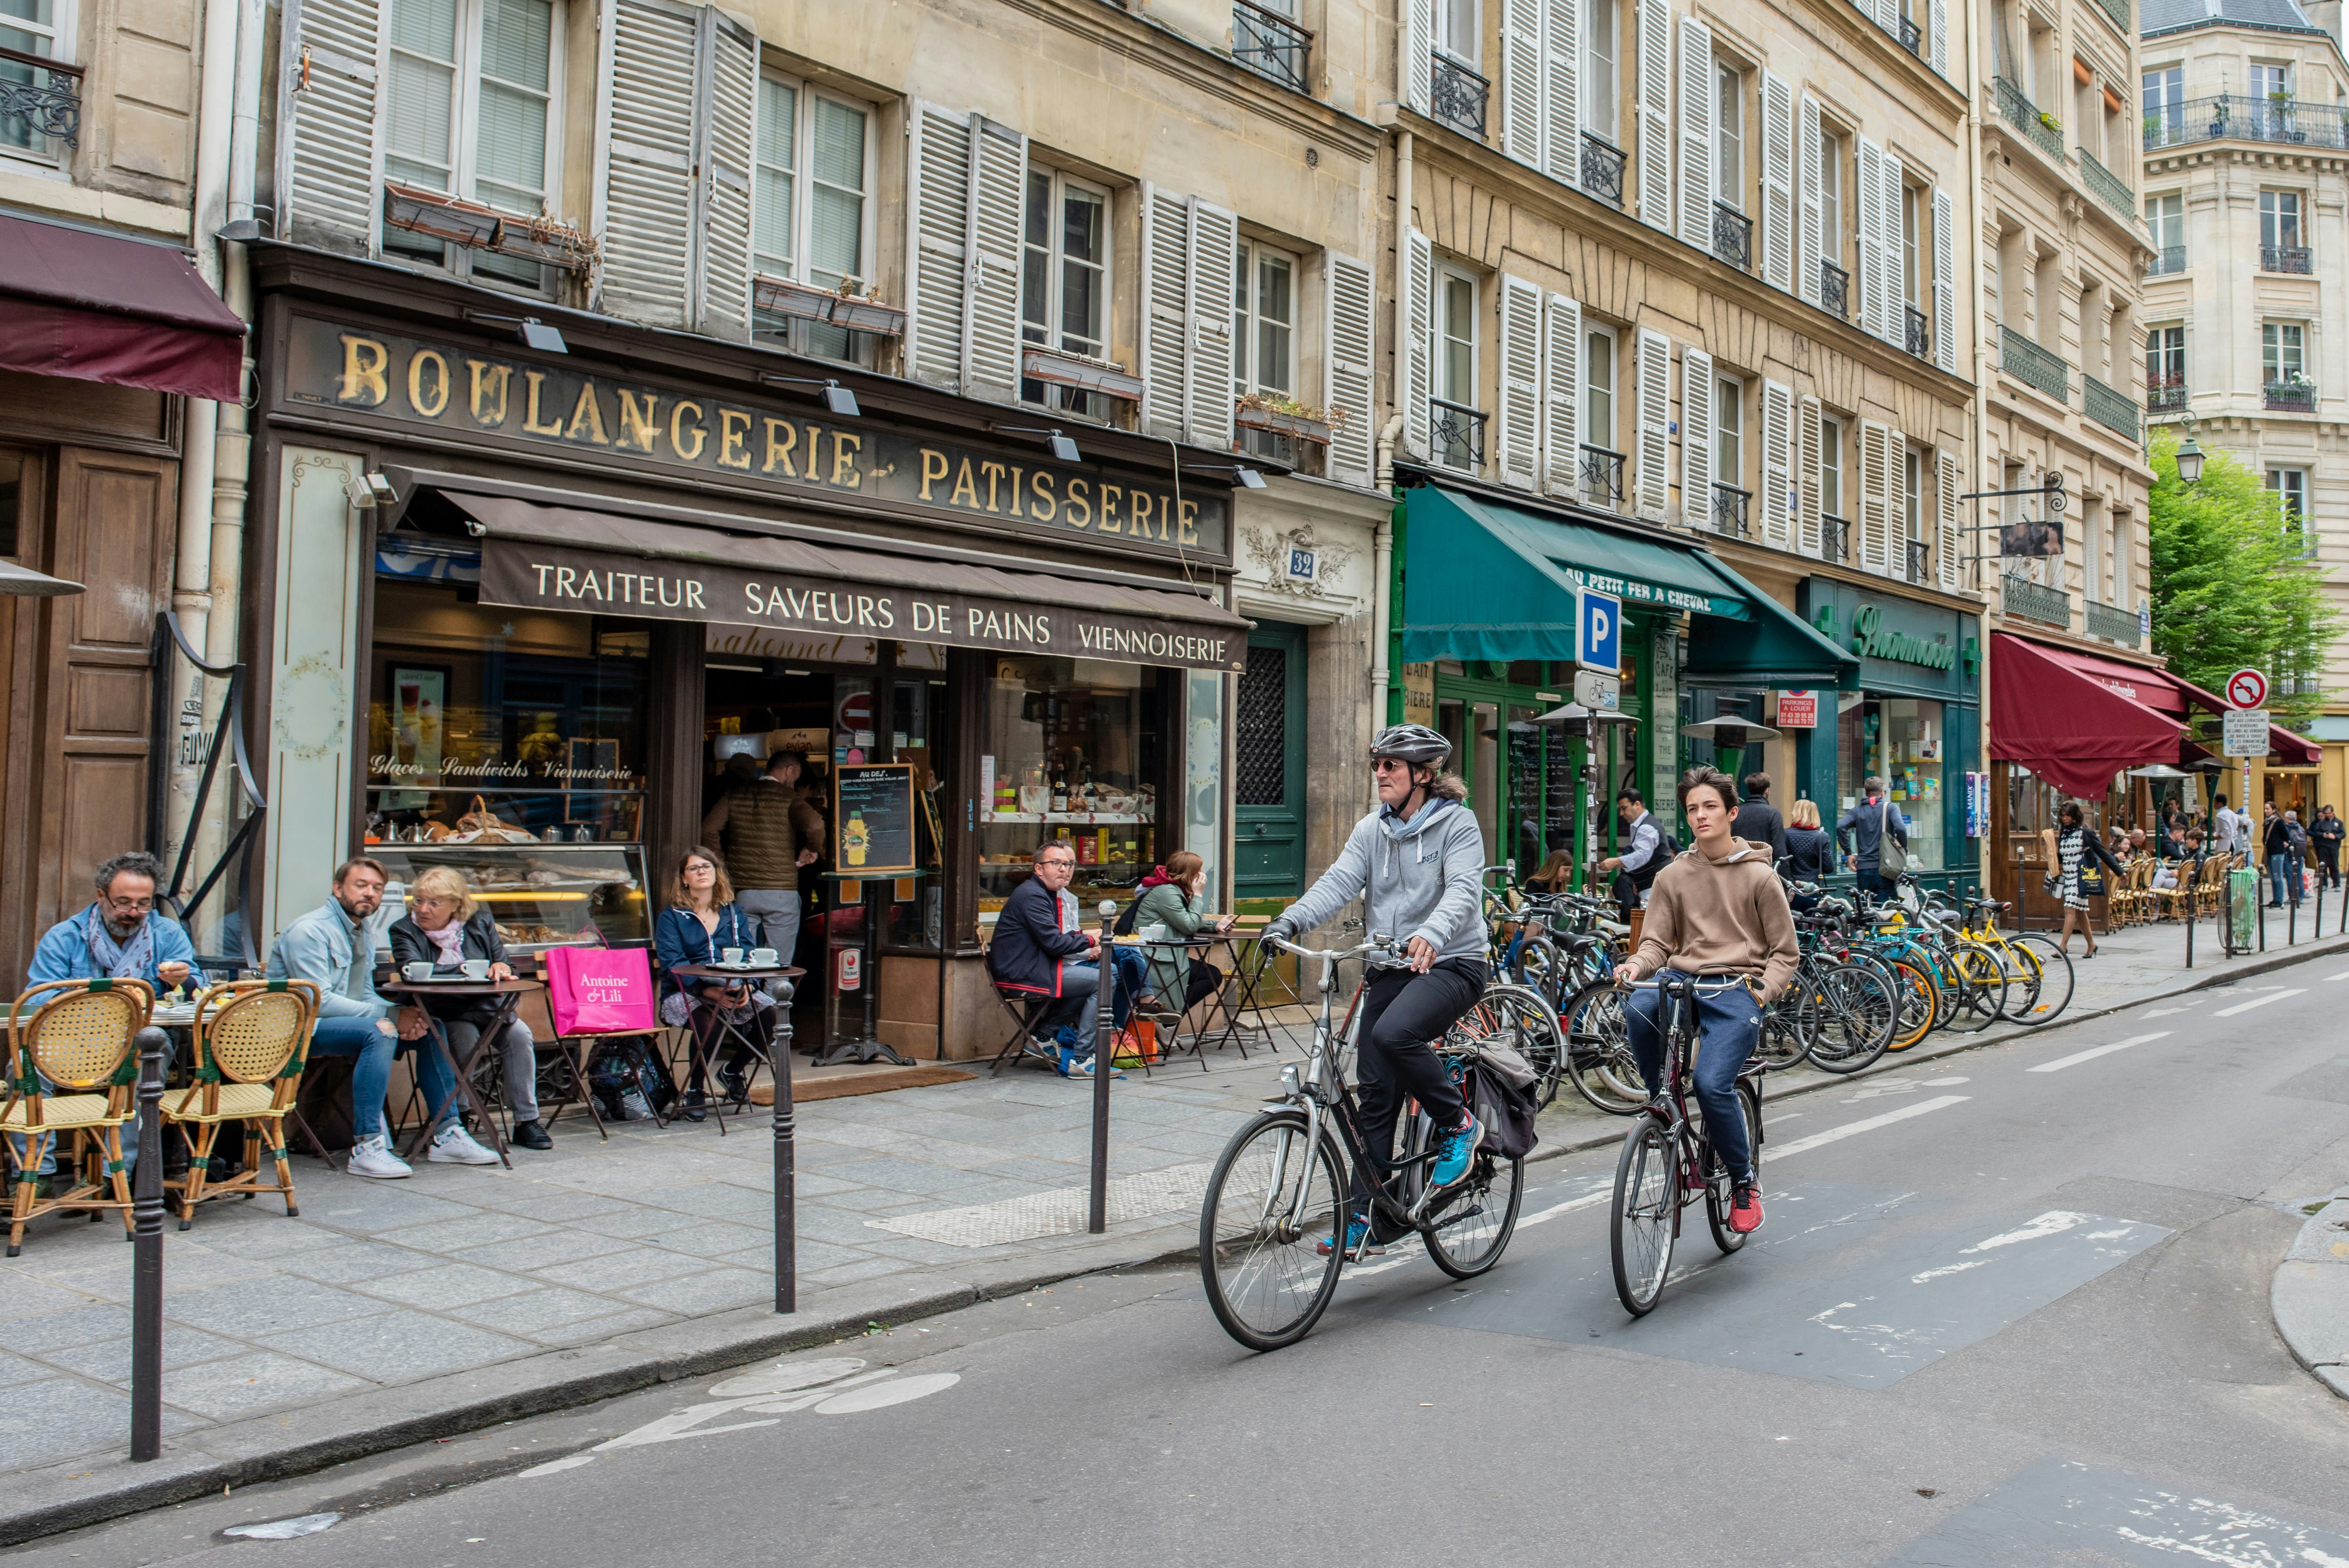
1272 1228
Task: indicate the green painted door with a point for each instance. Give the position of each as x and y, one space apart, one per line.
1268 857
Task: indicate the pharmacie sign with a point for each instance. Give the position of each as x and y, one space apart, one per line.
1871 639
651 429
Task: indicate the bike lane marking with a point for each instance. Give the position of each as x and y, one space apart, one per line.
2257 1002
1869 1124
2093 1052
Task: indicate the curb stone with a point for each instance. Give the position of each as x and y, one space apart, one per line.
74 1494
2310 1294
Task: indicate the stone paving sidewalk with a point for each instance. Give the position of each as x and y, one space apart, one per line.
662 1237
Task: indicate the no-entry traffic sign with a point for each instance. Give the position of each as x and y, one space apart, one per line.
2247 688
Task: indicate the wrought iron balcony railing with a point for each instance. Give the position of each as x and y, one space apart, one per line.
2110 187
2168 260
1915 560
1917 333
2110 407
39 99
1268 42
1912 38
1456 434
2284 258
1834 290
1602 170
2111 622
2118 10
1835 539
2165 395
1457 95
1730 508
1732 236
2043 128
2294 397
2241 117
2036 601
2033 366
1602 478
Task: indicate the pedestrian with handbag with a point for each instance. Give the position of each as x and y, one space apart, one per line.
1874 839
2080 860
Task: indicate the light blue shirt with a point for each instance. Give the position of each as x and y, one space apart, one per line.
329 949
64 952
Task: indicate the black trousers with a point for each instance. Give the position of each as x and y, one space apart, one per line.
2328 861
1402 1014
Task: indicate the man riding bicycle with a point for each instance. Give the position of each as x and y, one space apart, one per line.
1719 906
1418 862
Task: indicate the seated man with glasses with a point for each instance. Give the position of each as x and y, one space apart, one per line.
1041 949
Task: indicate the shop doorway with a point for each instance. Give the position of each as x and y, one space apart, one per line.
1268 858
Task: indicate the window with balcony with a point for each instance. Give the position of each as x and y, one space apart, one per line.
40 103
2290 487
1459 92
811 216
475 93
1729 136
1064 282
1267 37
1602 460
1456 426
1264 353
1602 104
2165 107
1732 502
1835 276
2271 107
2165 370
2284 368
1912 560
2283 243
1835 526
2165 222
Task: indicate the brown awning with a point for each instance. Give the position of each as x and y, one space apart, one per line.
571 558
100 307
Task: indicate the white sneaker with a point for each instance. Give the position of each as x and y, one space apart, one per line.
452 1145
373 1156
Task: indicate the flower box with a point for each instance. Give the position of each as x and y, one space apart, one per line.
1059 368
477 227
1297 426
781 296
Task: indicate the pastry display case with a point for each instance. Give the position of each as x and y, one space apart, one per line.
542 894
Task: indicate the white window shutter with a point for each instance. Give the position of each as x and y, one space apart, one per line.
1777 247
1214 257
1812 149
1696 438
1418 53
1562 91
1867 281
1655 150
1887 15
1415 354
1937 36
1948 480
1697 115
1778 501
1520 409
1651 475
1893 327
1945 281
1875 495
1896 504
1165 311
728 95
1348 342
998 189
330 144
1562 398
1810 492
1522 113
938 198
644 170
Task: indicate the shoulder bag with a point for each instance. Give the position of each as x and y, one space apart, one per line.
1891 859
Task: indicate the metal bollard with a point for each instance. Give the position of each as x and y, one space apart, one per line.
2260 905
787 1267
1105 1066
147 1255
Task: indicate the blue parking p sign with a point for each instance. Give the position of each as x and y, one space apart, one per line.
1599 631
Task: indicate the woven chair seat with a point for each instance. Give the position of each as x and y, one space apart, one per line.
236 1101
60 1111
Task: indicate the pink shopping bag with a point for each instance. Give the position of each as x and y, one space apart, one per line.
600 991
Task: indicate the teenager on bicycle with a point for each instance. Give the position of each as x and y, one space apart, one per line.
1418 864
1719 906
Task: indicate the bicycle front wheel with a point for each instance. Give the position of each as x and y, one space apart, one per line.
1982 986
1856 1014
1647 1213
2042 987
1269 1202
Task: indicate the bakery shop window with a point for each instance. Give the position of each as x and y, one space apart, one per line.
510 743
1070 750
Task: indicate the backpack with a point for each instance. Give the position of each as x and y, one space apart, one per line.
1124 926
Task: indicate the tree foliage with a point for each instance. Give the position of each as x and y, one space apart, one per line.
2232 587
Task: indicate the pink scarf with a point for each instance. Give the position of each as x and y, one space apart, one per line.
450 939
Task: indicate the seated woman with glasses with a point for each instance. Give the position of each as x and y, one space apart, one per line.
702 920
444 928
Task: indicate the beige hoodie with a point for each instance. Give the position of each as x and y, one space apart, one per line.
1729 913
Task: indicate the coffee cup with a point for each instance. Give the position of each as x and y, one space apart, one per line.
763 956
729 955
420 969
476 968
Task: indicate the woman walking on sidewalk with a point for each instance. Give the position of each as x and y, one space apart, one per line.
2070 849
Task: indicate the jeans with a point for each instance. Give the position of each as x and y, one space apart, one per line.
2283 879
48 1166
518 1060
1132 980
1870 880
374 1043
1729 1026
1076 1008
1402 1014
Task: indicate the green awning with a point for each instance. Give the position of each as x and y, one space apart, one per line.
1777 648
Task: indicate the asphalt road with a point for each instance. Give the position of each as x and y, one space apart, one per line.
2010 1308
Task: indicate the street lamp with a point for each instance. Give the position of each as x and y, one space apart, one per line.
2189 456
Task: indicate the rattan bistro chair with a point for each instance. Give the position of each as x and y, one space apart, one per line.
73 1071
252 1037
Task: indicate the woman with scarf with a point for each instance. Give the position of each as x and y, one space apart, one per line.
1175 895
444 927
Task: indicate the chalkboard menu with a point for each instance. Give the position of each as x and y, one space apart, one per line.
872 813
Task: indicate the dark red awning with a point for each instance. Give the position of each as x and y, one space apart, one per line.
2073 726
99 308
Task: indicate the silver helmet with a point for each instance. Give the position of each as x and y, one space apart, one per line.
1415 743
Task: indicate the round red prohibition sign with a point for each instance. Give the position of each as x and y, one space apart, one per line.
2247 688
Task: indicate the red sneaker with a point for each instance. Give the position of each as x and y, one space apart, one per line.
1746 1211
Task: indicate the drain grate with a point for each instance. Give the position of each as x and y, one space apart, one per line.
1061 1212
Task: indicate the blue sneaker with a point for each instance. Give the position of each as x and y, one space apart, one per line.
1355 1231
1453 1150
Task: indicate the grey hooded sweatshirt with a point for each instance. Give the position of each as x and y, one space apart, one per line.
1424 878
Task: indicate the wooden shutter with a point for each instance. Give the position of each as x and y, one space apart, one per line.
998 190
1812 149
1519 413
1348 341
1418 53
1945 283
1891 324
1875 495
1562 397
1655 150
1650 472
1696 438
1215 257
1896 502
1777 247
1937 36
937 266
1522 115
1778 502
726 95
1166 289
330 153
1562 91
1809 491
1947 481
1415 353
1696 127
645 198
1867 281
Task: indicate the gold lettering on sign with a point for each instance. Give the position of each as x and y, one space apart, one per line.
1042 487
1187 523
535 380
1080 508
428 405
780 451
965 489
587 417
677 429
995 472
1140 511
640 426
363 382
845 448
1111 522
934 468
733 429
489 382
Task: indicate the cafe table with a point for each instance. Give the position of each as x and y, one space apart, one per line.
1228 1003
509 994
700 1068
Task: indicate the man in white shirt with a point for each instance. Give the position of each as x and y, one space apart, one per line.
1644 855
2227 827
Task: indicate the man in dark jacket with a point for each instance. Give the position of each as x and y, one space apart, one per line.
2325 834
767 833
2286 843
1757 821
1041 949
1860 837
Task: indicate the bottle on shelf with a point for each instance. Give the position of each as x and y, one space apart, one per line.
1060 788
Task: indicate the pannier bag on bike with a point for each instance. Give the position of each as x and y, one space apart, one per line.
1503 1104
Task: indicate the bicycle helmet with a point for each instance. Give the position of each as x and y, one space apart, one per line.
1415 743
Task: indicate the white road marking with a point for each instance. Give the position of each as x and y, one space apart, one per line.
2055 1222
568 1463
1868 1125
2166 1011
883 1394
2093 1052
2257 1002
2343 975
1951 1269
